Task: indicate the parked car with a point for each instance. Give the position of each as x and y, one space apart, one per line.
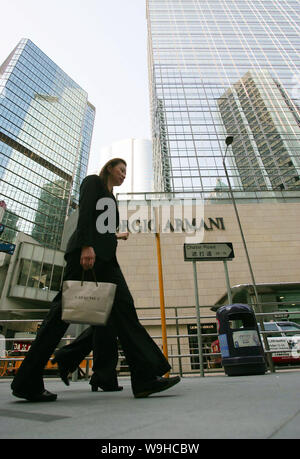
284 342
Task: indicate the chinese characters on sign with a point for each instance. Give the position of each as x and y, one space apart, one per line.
208 252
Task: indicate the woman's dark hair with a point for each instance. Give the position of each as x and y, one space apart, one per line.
104 173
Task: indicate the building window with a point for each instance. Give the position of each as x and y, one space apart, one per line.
40 275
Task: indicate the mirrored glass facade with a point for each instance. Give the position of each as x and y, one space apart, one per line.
219 68
46 124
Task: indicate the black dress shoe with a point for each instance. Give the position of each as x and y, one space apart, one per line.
63 372
109 385
157 385
106 388
45 396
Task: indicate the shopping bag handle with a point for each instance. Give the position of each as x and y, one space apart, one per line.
94 276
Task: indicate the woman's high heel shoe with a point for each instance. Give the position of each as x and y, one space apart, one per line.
106 388
63 372
107 384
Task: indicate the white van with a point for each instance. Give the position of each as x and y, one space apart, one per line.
285 342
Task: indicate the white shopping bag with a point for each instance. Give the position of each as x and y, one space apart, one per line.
85 302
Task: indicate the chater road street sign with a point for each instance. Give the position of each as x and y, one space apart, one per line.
216 251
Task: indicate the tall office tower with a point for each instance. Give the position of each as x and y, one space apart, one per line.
264 157
46 124
218 68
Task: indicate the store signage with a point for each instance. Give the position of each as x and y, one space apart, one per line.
185 225
21 346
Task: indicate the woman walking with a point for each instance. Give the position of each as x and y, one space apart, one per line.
93 246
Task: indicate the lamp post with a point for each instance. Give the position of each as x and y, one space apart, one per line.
228 141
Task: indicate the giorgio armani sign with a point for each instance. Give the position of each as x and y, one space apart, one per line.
158 216
178 226
152 216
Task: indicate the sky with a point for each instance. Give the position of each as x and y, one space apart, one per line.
102 45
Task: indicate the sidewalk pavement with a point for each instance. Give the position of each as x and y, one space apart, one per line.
245 407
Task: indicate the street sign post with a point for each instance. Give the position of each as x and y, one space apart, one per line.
216 251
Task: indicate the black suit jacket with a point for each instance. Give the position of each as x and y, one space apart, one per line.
86 234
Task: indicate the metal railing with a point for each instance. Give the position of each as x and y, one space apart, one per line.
183 352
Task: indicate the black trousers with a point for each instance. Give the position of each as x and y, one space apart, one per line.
143 356
104 363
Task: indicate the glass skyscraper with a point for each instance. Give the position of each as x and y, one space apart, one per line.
46 124
219 68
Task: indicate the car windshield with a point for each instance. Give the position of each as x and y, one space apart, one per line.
290 329
269 326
